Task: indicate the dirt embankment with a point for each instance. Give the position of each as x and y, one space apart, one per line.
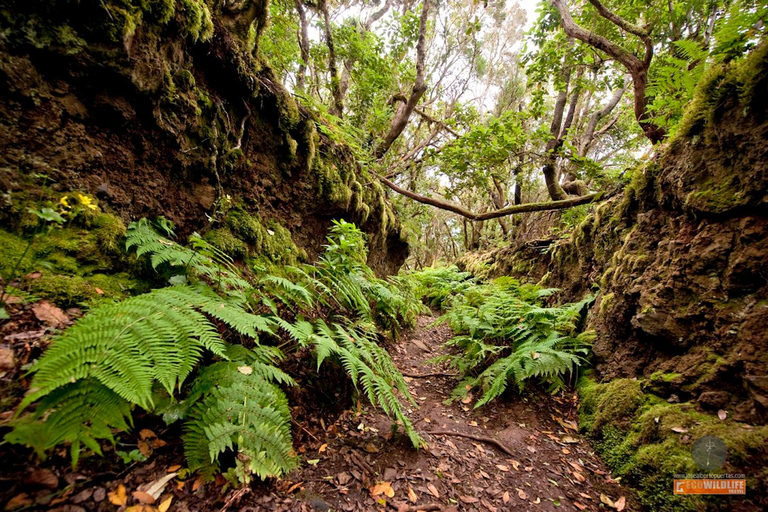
163 110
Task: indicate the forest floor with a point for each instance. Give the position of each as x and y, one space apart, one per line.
520 452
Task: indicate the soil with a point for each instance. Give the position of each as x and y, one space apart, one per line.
521 452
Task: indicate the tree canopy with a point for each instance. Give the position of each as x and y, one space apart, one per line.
475 109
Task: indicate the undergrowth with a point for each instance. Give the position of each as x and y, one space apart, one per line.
204 350
504 335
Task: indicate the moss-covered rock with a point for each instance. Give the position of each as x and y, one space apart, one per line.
646 440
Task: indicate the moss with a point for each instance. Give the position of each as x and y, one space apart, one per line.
196 19
608 404
743 80
66 291
665 377
272 242
110 234
226 242
606 302
646 440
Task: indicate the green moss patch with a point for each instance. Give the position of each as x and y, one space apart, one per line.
646 441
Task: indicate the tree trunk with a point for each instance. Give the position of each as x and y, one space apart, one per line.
303 36
405 110
337 108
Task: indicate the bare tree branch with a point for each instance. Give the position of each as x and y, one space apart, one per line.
510 210
303 36
404 112
589 134
337 108
637 68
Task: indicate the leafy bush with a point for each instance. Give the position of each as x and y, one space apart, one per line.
505 335
438 286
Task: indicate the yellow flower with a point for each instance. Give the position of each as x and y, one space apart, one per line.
86 201
64 202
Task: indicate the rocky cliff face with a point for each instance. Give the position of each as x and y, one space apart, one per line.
161 108
679 259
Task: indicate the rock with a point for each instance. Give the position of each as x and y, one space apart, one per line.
758 388
7 358
673 399
714 400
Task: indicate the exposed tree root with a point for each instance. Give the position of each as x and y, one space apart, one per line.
483 439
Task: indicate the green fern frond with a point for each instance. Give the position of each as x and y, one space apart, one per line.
242 411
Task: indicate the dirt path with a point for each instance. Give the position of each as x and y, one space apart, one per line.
549 465
532 459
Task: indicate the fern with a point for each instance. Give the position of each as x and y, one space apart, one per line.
241 410
141 352
202 260
114 355
505 337
368 365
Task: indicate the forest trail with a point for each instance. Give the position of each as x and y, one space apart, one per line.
353 464
549 466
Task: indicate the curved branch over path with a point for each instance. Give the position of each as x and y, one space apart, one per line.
503 212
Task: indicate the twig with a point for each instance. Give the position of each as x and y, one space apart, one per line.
402 507
235 498
424 375
483 439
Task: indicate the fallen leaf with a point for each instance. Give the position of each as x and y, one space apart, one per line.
165 505
173 468
502 467
522 494
620 503
679 430
566 451
245 370
156 487
469 499
570 440
144 448
42 478
467 398
140 508
505 497
371 448
293 487
99 494
384 488
98 290
585 495
118 497
412 495
49 314
578 476
18 501
197 483
490 507
144 497
537 501
607 501
722 414
433 490
579 505
145 433
313 462
322 447
515 464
